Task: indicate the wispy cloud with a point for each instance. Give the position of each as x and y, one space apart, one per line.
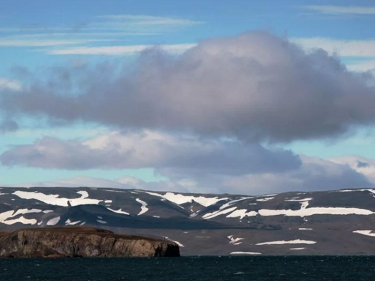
41 43
146 20
50 40
140 23
342 10
61 39
119 50
103 28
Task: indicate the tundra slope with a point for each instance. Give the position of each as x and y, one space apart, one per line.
327 222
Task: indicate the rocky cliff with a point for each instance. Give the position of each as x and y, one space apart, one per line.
76 241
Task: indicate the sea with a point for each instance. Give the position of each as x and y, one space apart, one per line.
332 268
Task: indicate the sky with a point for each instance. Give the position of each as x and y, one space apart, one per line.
241 97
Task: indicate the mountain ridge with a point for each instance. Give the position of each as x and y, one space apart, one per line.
322 222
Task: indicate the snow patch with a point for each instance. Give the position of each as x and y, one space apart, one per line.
69 222
53 221
112 190
264 199
365 232
22 220
297 199
230 203
54 199
297 241
218 213
5 217
26 211
245 253
234 241
194 214
303 212
242 213
178 243
119 211
182 199
144 208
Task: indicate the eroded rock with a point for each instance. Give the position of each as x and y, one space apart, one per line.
78 241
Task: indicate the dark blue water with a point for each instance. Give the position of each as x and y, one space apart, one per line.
192 268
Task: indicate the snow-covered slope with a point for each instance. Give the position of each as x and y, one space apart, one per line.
200 220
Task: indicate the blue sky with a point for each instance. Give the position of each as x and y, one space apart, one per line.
198 96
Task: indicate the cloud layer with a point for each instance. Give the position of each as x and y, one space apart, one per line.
255 86
181 155
190 164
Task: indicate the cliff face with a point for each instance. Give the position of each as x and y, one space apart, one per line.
81 242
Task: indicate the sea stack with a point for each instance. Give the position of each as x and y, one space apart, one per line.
81 241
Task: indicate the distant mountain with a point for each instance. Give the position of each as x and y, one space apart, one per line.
327 222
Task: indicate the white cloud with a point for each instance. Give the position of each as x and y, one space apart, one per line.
119 50
342 10
363 165
361 49
10 84
352 48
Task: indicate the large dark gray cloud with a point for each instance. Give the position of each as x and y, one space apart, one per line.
255 86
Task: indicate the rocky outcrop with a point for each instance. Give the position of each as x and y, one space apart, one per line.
73 241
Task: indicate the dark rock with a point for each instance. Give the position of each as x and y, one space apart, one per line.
73 241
